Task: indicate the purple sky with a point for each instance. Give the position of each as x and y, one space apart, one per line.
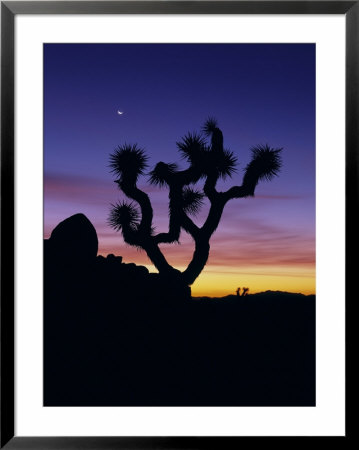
259 93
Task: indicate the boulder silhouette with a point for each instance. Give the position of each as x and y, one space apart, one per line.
74 238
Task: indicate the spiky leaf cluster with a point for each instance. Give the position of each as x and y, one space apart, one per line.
210 126
225 163
161 173
192 147
128 162
192 200
123 215
266 162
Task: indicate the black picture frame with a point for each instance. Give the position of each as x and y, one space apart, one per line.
9 9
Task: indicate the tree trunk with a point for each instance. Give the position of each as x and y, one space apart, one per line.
199 260
158 259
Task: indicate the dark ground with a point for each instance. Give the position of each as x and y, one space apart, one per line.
116 336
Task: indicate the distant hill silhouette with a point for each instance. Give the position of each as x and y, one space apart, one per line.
257 295
117 335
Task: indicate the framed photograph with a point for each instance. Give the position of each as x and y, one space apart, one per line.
178 184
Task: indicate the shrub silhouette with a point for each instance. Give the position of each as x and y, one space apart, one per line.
206 161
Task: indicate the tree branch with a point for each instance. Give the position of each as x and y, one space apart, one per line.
130 188
210 186
176 181
174 229
189 226
238 192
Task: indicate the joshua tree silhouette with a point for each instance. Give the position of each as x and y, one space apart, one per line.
244 292
209 162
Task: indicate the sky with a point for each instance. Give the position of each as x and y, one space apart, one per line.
259 94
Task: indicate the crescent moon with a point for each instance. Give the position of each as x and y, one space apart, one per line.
120 113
